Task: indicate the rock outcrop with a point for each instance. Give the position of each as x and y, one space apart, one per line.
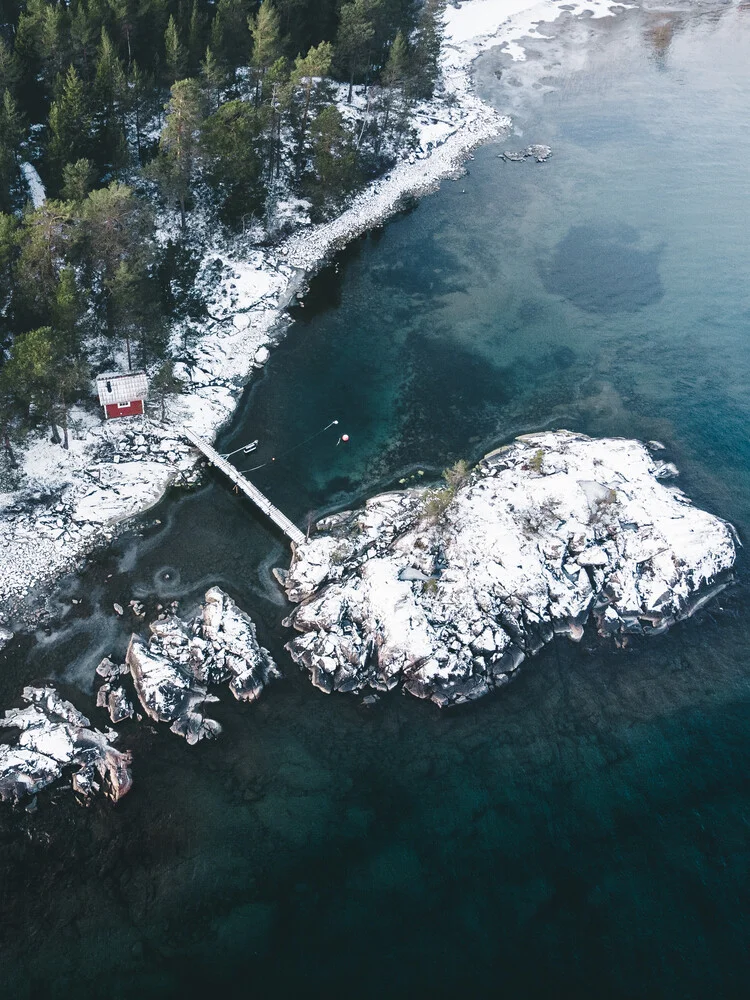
448 591
173 671
537 152
54 737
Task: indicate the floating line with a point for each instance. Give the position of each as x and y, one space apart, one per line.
294 447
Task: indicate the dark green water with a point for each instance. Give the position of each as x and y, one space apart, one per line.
586 833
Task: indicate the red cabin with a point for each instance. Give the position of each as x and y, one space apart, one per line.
122 393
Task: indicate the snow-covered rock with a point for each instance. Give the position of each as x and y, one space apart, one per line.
173 671
54 736
169 693
448 591
537 152
234 648
114 699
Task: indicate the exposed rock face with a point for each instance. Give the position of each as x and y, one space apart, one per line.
173 671
449 591
169 692
54 736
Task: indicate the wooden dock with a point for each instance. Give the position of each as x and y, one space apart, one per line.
291 531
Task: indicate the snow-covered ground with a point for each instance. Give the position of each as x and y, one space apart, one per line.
37 194
69 502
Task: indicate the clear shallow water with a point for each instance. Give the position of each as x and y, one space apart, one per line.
587 831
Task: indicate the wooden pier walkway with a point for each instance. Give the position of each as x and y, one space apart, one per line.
291 531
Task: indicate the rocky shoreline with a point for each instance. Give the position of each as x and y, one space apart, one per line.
447 591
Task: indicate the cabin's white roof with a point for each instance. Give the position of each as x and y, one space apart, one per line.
121 387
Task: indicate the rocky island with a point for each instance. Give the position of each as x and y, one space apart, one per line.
54 739
447 591
172 672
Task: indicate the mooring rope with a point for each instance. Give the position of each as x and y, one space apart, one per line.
294 447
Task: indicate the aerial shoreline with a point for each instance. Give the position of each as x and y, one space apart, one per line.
117 471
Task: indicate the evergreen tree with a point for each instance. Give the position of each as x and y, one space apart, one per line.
78 180
334 159
316 64
27 49
12 131
175 51
73 378
391 110
179 142
140 105
280 92
214 78
125 19
354 39
230 35
66 312
264 30
165 383
110 90
54 41
397 67
40 374
69 123
8 255
304 24
45 240
232 146
196 38
117 234
85 33
109 83
10 69
125 289
426 50
31 372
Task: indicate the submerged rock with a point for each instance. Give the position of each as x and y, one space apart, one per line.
536 151
448 591
172 671
54 736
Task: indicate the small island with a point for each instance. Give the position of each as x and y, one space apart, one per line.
447 591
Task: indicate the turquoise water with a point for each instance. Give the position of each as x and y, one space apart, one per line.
584 833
